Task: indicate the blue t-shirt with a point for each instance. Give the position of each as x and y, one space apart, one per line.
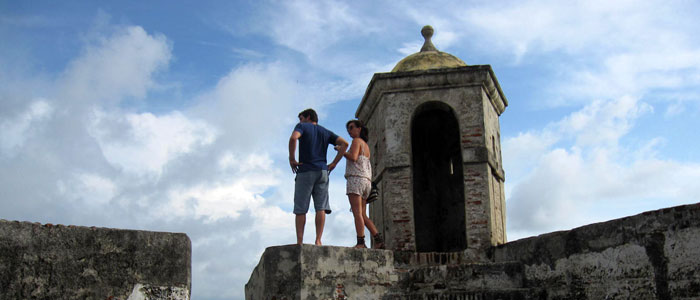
313 146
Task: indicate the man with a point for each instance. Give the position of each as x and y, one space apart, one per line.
311 169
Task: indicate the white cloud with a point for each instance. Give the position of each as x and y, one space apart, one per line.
256 105
310 27
252 162
637 73
410 48
594 49
572 27
599 124
603 122
89 189
571 188
205 170
580 165
143 144
115 67
256 96
15 131
331 37
447 31
239 191
522 152
247 53
547 198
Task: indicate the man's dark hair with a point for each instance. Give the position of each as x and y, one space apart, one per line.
364 132
309 113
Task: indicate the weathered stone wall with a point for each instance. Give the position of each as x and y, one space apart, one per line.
492 136
70 262
312 272
654 255
278 275
391 170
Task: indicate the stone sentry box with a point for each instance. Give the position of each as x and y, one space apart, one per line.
436 154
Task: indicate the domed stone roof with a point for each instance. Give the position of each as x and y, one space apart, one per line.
428 57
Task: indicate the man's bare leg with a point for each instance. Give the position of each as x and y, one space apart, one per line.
299 222
320 222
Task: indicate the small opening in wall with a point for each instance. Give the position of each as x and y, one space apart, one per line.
452 167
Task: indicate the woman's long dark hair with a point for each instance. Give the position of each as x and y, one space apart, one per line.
364 132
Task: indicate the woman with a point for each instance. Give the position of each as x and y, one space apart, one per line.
358 173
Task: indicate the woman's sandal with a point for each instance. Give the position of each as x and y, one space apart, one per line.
360 242
378 241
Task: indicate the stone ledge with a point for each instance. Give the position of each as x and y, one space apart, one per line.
46 261
652 255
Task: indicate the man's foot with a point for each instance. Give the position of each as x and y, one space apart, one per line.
318 243
360 246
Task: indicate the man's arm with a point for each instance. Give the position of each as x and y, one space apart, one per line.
292 148
340 145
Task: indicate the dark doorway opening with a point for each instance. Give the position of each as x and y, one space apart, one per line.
438 187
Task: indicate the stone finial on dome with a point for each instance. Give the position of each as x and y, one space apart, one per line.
429 57
427 33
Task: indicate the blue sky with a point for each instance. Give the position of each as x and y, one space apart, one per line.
175 116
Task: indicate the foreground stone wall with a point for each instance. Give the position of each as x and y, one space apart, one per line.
70 262
654 255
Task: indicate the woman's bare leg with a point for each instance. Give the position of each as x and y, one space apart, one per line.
370 225
355 205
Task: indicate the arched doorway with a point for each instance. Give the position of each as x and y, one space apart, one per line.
438 187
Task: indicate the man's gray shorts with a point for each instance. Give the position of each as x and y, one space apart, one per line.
307 184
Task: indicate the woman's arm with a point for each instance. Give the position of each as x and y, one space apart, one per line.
354 151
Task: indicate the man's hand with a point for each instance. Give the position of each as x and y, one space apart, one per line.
294 164
292 148
340 146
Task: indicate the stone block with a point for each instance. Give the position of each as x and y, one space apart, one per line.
313 272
